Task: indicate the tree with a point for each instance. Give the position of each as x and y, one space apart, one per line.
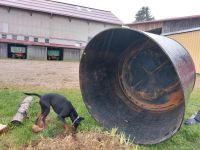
144 14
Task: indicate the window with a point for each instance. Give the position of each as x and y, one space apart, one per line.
15 49
26 38
4 36
46 40
35 39
14 37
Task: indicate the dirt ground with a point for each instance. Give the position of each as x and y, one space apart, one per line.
81 141
44 74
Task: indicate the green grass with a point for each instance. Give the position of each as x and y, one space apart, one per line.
22 134
187 138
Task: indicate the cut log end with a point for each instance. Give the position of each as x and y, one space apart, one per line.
16 122
3 128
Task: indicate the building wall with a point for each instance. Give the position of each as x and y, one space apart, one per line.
191 41
37 52
3 50
71 54
60 29
168 26
178 25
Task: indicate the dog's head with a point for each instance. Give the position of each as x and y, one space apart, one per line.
78 122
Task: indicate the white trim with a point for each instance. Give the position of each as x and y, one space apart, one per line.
75 120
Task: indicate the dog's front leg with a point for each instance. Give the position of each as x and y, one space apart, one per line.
44 121
39 125
65 125
39 121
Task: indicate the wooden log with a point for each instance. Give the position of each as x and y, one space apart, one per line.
22 111
3 128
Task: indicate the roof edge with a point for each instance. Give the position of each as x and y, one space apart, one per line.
31 43
182 31
167 19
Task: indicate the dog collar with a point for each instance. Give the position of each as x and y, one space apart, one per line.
75 120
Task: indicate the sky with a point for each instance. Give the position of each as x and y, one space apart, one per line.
125 10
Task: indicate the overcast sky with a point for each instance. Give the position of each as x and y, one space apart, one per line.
125 10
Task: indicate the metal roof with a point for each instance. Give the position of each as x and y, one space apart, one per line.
63 9
167 19
40 43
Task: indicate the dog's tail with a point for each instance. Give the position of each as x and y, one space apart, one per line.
32 94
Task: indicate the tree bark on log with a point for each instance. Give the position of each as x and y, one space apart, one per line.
22 111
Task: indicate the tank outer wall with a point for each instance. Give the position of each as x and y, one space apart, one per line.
105 100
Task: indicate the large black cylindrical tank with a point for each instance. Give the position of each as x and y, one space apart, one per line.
137 82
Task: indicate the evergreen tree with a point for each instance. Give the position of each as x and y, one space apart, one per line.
144 14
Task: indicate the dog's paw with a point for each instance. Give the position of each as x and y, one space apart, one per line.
69 130
66 130
36 128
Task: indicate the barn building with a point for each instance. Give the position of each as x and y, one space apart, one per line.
45 29
185 30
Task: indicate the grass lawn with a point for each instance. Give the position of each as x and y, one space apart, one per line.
187 138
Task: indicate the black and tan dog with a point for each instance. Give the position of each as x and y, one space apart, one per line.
61 106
